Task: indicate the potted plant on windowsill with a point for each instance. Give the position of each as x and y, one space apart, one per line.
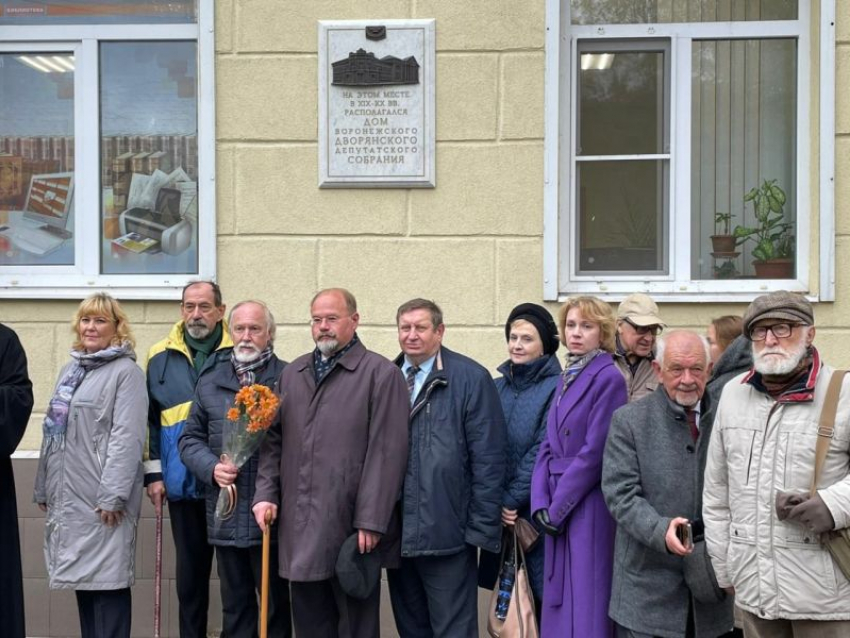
723 241
773 236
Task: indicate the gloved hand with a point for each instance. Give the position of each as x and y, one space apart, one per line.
814 514
541 516
785 502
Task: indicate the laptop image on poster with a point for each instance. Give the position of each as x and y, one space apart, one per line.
40 227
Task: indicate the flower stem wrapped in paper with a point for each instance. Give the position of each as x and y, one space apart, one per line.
249 418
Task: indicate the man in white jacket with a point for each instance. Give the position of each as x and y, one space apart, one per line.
762 529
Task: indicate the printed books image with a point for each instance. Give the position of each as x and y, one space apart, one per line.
135 243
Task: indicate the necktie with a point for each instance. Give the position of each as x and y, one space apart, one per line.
412 371
691 416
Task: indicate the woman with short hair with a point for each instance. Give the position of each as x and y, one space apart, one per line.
89 478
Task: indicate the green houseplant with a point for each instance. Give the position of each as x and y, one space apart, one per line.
773 236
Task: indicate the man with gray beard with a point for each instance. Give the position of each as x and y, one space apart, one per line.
763 529
332 467
174 365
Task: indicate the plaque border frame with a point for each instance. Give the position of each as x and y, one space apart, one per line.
428 81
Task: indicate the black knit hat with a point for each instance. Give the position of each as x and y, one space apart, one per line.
540 318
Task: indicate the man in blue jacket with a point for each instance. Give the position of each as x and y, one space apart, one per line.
174 365
452 495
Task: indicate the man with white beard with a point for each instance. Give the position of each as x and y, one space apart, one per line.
237 538
762 527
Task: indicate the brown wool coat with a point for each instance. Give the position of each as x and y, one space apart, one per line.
336 459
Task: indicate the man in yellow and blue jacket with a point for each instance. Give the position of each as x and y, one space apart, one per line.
174 365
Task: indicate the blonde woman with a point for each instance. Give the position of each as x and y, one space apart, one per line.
566 492
89 479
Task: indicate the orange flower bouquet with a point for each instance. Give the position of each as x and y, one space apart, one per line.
248 419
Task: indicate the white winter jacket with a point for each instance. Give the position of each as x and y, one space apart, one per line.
760 446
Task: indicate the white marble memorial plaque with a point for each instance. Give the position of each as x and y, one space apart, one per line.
376 103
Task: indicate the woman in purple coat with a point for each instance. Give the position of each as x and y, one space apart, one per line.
566 496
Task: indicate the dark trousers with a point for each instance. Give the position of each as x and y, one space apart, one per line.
194 564
436 596
322 610
105 613
240 570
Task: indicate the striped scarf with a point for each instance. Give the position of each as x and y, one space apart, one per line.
246 372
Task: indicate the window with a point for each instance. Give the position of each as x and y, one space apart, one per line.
671 124
106 147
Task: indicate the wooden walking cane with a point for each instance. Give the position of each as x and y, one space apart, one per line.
264 587
157 583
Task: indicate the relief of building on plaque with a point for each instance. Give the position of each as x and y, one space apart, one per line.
362 68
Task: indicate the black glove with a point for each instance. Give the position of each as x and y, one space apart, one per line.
814 514
786 501
541 517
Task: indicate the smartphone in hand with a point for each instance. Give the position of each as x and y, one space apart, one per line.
685 534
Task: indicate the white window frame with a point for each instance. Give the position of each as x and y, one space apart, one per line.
84 277
559 206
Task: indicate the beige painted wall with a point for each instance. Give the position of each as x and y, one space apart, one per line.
473 244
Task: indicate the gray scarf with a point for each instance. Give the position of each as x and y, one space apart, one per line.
575 364
56 421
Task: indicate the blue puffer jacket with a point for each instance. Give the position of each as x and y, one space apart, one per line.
526 392
201 447
452 493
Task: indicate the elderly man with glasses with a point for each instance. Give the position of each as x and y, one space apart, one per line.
638 324
762 526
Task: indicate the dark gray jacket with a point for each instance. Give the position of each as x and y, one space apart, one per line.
737 358
452 493
652 472
201 446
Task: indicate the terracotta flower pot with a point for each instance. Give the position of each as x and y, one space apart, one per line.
723 243
774 268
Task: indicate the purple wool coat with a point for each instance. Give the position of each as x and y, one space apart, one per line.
566 481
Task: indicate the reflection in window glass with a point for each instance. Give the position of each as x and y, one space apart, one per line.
149 158
621 108
621 216
36 158
744 115
17 12
666 11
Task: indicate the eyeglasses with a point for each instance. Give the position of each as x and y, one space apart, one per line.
644 330
779 330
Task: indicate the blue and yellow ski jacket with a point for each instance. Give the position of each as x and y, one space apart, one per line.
171 387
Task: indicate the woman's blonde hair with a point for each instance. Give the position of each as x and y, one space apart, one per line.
595 310
101 304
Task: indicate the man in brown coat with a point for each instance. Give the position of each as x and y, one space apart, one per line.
334 464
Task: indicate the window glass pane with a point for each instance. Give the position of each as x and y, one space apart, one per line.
149 158
36 158
744 114
98 12
621 102
622 208
665 11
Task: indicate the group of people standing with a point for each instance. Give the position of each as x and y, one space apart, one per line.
651 485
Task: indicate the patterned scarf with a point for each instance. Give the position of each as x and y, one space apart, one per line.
56 420
323 366
246 372
575 363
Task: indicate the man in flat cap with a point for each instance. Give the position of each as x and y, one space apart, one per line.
763 528
638 324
